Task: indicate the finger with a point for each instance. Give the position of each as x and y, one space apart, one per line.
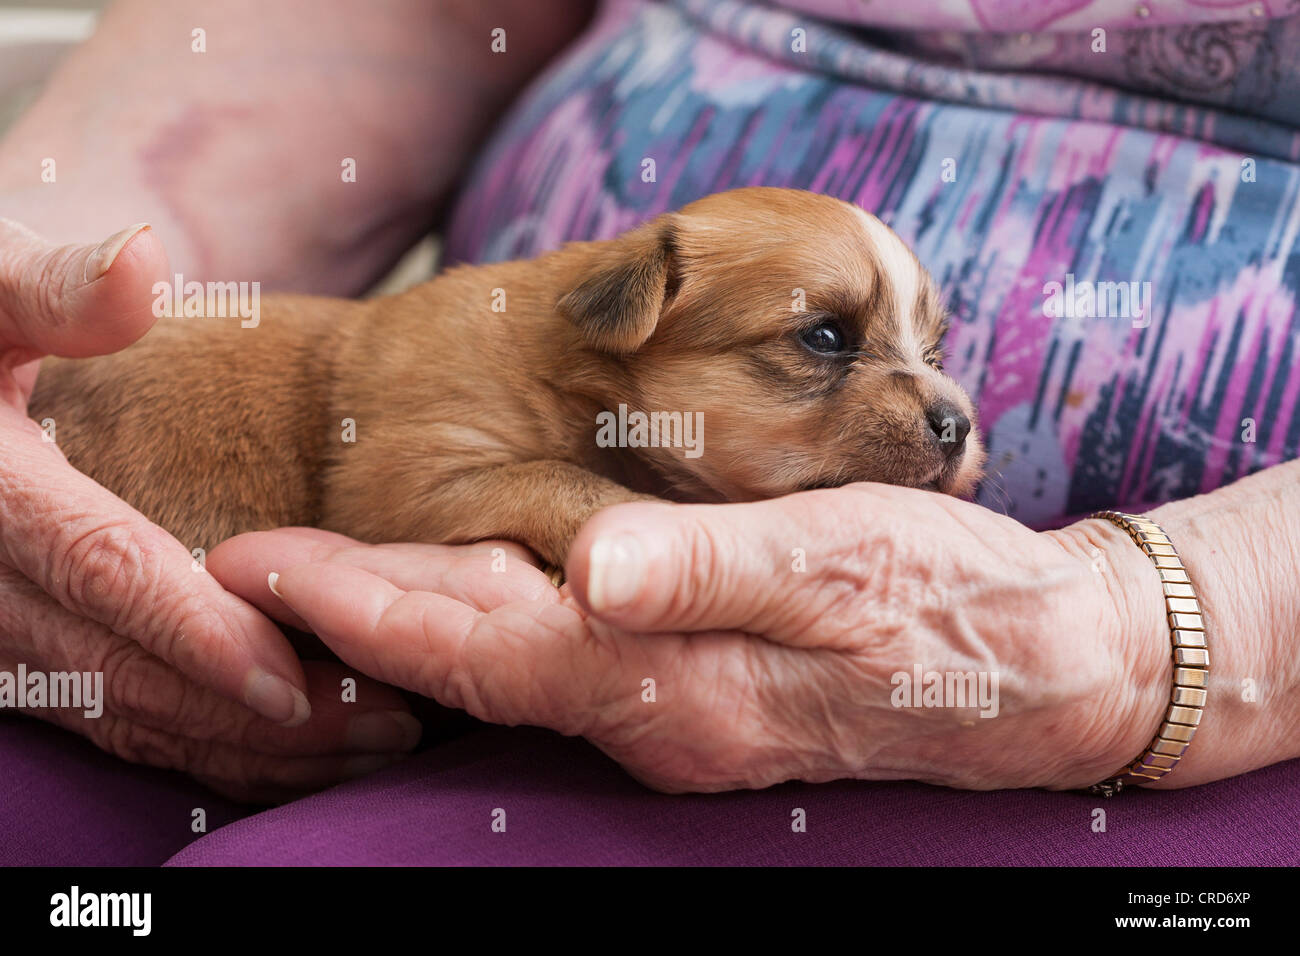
232 771
17 380
318 772
528 662
104 561
77 301
483 576
513 551
350 712
652 567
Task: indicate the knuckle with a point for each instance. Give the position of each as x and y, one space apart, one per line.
709 576
114 662
182 627
100 568
137 744
141 687
107 573
38 292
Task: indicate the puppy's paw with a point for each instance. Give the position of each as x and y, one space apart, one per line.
554 574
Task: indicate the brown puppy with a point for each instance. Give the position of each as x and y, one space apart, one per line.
486 402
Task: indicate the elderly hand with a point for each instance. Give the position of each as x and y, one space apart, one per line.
194 678
715 647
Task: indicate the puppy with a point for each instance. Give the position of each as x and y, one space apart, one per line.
797 328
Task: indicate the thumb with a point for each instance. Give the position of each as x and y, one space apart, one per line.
665 567
77 301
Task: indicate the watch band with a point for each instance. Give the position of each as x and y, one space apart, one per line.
1191 658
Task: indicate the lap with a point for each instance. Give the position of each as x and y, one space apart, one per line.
66 803
556 801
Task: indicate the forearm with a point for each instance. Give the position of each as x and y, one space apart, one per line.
235 154
1239 545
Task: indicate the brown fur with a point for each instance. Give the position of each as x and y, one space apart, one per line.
473 423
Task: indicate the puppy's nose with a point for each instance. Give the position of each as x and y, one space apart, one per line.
949 425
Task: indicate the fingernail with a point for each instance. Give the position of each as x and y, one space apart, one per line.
360 766
615 571
105 254
383 731
271 580
276 699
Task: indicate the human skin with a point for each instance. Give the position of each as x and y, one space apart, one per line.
234 157
764 674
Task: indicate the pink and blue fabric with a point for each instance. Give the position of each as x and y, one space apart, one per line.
1105 141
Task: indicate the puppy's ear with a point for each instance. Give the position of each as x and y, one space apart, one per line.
622 288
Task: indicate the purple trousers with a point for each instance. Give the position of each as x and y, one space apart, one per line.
522 796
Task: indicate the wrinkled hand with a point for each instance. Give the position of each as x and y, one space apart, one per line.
761 672
195 679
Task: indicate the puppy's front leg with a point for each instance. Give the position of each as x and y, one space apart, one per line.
541 504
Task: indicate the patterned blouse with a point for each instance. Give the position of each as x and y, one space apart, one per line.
1108 193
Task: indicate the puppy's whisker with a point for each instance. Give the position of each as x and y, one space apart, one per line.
996 486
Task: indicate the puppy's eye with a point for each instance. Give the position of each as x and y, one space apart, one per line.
934 358
824 338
